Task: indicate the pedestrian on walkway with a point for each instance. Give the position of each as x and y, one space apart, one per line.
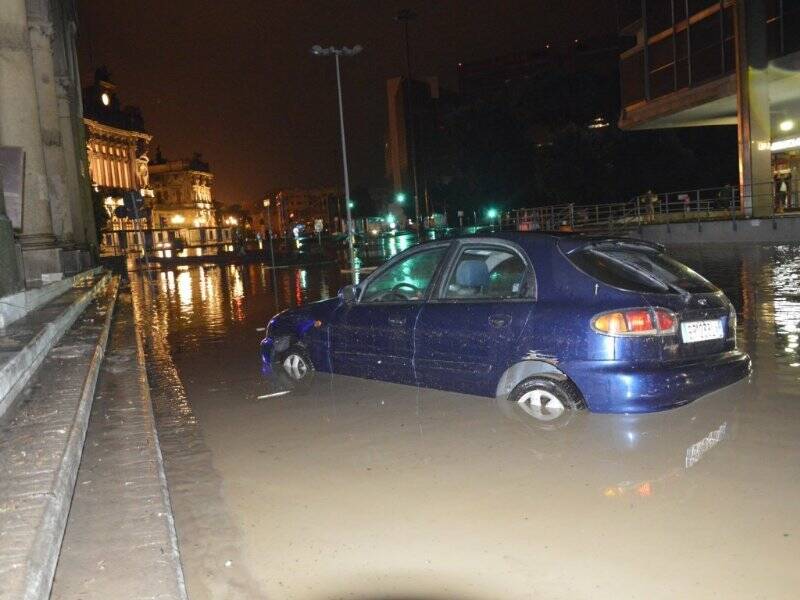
783 194
685 200
651 200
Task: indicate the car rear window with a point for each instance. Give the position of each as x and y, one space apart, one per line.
639 270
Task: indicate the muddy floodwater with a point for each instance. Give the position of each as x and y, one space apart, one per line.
374 491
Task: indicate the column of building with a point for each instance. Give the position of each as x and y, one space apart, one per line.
753 112
41 35
20 126
70 119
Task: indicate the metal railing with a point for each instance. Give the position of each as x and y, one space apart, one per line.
721 203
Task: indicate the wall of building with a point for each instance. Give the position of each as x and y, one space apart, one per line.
768 231
40 112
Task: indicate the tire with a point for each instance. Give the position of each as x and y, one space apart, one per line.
297 368
548 400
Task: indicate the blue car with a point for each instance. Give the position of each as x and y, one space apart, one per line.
559 322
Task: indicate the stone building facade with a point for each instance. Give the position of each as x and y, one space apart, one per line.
41 112
183 204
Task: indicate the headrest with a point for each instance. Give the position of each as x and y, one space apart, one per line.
472 273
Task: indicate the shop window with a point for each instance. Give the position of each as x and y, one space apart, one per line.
706 48
662 82
632 74
791 26
659 16
679 6
695 6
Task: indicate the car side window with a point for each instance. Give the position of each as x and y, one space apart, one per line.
488 273
406 281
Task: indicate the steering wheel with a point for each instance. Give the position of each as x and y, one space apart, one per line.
398 293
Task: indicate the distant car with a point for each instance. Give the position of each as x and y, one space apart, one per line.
556 321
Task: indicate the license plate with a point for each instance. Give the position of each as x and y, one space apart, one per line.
701 331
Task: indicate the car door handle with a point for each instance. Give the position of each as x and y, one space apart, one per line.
499 320
397 321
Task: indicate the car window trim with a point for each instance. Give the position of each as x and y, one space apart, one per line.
463 246
448 245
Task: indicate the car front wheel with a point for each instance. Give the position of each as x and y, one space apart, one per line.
298 367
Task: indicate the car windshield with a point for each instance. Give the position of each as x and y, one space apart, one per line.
639 269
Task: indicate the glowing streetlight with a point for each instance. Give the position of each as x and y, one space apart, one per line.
400 197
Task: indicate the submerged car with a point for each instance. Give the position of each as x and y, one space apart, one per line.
562 321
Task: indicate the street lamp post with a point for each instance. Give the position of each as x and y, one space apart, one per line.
271 252
404 16
337 52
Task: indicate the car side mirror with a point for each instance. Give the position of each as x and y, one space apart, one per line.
349 294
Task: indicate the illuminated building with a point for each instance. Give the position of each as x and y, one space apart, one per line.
116 148
703 62
291 207
183 204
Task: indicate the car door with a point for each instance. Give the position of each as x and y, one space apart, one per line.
374 336
466 334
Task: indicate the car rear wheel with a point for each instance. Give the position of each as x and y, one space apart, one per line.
297 367
547 399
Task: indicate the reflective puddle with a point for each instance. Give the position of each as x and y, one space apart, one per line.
361 489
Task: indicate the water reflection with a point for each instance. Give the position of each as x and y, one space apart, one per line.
763 282
413 486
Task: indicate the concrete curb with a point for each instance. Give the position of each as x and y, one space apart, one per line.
144 386
16 373
46 547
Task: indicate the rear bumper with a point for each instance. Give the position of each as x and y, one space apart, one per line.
613 387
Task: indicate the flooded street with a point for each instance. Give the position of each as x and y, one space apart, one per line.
370 490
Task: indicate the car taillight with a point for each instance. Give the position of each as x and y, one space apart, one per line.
636 321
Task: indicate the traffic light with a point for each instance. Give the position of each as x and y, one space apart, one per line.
400 197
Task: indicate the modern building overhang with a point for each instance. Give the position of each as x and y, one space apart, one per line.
714 103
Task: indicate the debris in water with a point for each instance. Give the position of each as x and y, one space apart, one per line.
274 394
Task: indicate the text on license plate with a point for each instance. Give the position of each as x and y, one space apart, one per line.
701 331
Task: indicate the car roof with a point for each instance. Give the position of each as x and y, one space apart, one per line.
567 241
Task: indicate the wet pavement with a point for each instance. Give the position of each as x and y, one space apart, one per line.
362 489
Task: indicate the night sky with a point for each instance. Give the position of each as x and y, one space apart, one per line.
235 79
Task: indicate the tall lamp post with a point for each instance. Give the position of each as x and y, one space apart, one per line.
271 251
404 16
337 52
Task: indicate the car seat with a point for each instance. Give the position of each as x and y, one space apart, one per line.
472 277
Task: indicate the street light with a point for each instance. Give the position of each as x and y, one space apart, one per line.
271 251
400 197
337 52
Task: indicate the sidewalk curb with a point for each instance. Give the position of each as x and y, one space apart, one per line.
46 547
16 373
144 386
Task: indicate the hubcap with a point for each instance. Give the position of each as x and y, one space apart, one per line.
541 405
295 366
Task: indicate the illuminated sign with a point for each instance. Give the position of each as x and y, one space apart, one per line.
779 145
